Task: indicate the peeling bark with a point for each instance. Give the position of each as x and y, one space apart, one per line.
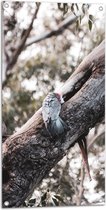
30 153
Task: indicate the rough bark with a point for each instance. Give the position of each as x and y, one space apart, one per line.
29 154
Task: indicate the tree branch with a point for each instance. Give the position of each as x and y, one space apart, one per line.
90 64
30 153
65 24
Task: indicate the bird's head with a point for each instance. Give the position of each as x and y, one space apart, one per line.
59 97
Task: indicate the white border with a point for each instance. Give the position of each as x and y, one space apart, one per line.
0 107
63 1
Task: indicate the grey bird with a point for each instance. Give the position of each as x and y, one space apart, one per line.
51 108
55 126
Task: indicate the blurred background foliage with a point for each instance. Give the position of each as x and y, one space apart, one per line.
43 67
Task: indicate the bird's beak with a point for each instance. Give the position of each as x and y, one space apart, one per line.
62 100
83 148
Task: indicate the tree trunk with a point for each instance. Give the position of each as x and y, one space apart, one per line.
30 153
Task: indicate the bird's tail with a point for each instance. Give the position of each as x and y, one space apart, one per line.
57 127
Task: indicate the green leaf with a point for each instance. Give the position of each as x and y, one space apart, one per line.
72 9
77 6
80 18
65 9
83 8
91 17
59 6
90 24
77 24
